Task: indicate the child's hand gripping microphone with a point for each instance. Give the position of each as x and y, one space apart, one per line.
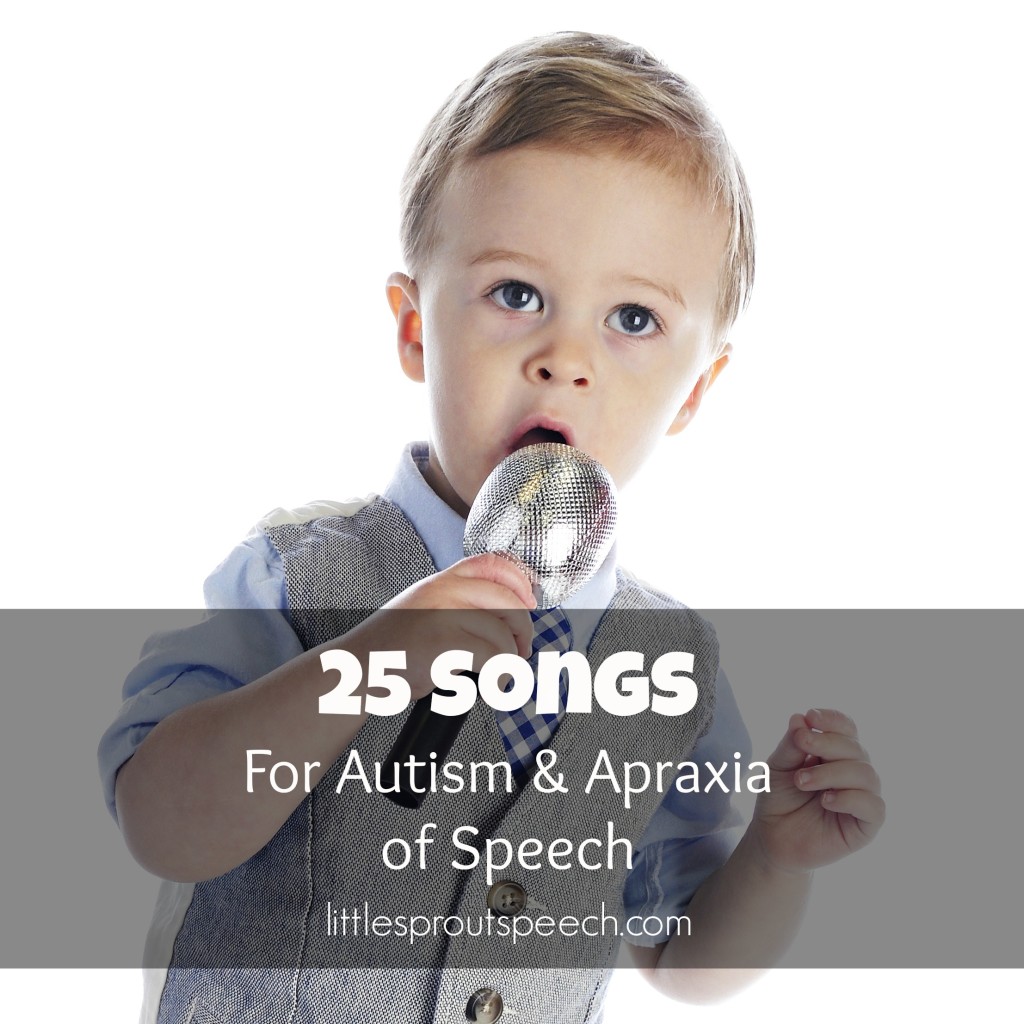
549 507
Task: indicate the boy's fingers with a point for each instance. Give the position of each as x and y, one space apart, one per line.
867 808
830 720
515 627
499 570
470 592
484 629
490 580
830 746
493 599
838 775
485 638
787 756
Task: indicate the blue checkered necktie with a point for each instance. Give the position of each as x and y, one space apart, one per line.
524 732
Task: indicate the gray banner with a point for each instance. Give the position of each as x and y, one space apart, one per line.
936 696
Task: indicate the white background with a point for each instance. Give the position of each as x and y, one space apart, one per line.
198 212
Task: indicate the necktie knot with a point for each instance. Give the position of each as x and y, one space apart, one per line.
551 631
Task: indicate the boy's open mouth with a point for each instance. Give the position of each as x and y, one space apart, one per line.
539 435
543 432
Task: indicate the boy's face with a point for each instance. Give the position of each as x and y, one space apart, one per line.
566 294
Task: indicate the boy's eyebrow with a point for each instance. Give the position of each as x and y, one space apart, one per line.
670 291
503 255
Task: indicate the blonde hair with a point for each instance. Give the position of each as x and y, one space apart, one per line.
580 91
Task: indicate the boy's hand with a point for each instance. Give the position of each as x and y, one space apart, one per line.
482 605
825 797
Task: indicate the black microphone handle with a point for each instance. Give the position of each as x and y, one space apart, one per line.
425 732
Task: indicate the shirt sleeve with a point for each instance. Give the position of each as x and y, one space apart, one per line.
691 834
244 635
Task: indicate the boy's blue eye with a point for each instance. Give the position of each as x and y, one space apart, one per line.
517 296
635 320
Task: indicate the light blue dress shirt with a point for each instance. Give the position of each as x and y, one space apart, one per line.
690 835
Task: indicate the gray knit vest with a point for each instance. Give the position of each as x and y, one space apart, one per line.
254 947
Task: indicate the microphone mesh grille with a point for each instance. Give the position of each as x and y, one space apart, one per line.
552 508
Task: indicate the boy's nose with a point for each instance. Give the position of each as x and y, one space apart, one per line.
562 361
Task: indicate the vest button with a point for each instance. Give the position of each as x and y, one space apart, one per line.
506 899
485 1006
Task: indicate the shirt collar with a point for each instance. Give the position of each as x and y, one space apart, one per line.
441 528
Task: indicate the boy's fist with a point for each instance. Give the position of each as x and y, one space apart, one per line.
481 604
825 797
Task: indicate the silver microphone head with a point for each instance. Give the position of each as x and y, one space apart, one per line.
552 508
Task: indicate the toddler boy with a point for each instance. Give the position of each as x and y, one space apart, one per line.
578 238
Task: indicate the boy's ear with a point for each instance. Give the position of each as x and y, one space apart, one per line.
706 379
404 299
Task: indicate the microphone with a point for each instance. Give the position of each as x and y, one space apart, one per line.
550 508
